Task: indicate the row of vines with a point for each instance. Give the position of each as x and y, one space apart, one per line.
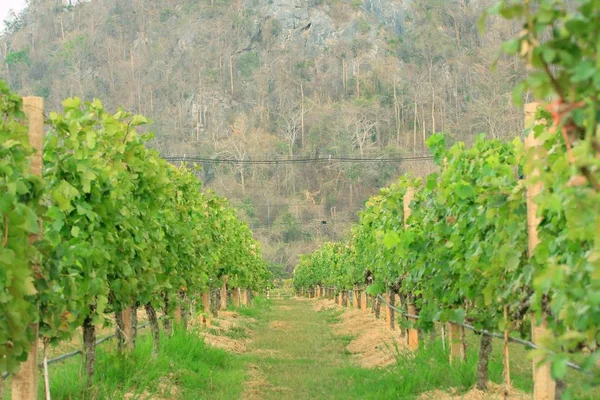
464 253
109 226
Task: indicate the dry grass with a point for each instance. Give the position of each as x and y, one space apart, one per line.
226 343
256 383
324 305
373 345
220 335
279 325
495 392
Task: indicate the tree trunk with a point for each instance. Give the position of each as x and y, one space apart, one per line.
432 111
561 386
231 73
154 328
302 111
415 129
482 365
358 79
167 323
184 310
120 331
463 341
89 349
134 323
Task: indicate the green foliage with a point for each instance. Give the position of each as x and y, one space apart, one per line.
17 57
247 63
20 194
186 368
464 253
122 227
559 43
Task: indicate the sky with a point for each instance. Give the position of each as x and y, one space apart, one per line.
6 5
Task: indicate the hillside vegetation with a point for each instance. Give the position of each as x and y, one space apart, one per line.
258 79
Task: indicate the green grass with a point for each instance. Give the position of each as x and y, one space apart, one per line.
302 360
186 369
309 362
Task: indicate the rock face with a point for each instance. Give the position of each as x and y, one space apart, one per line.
312 22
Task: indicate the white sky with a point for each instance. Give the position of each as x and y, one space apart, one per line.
6 5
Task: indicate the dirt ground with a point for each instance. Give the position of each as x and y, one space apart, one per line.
373 344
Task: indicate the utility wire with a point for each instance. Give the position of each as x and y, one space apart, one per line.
307 160
487 333
77 352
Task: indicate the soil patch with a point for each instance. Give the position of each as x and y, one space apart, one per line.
279 325
495 392
255 384
226 343
225 329
285 308
324 305
373 344
166 390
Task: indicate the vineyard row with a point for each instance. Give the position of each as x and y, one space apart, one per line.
504 237
98 225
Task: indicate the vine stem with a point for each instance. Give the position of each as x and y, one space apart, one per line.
5 240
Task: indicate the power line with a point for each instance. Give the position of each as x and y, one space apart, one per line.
306 160
315 222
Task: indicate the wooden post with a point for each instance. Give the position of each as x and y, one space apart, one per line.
389 313
340 299
363 301
224 294
544 387
25 381
236 297
318 291
206 308
245 297
355 297
413 334
506 355
457 350
127 328
178 314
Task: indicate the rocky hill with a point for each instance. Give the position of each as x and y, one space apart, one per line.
271 79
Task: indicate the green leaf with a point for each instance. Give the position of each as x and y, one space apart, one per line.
75 231
583 71
465 191
138 120
391 239
559 367
71 103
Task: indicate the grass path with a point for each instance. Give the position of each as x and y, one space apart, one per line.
292 354
295 355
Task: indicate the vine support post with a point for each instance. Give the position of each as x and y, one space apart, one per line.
389 312
544 387
363 301
245 297
236 297
178 314
356 296
25 381
457 350
128 327
224 294
413 334
206 308
340 299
